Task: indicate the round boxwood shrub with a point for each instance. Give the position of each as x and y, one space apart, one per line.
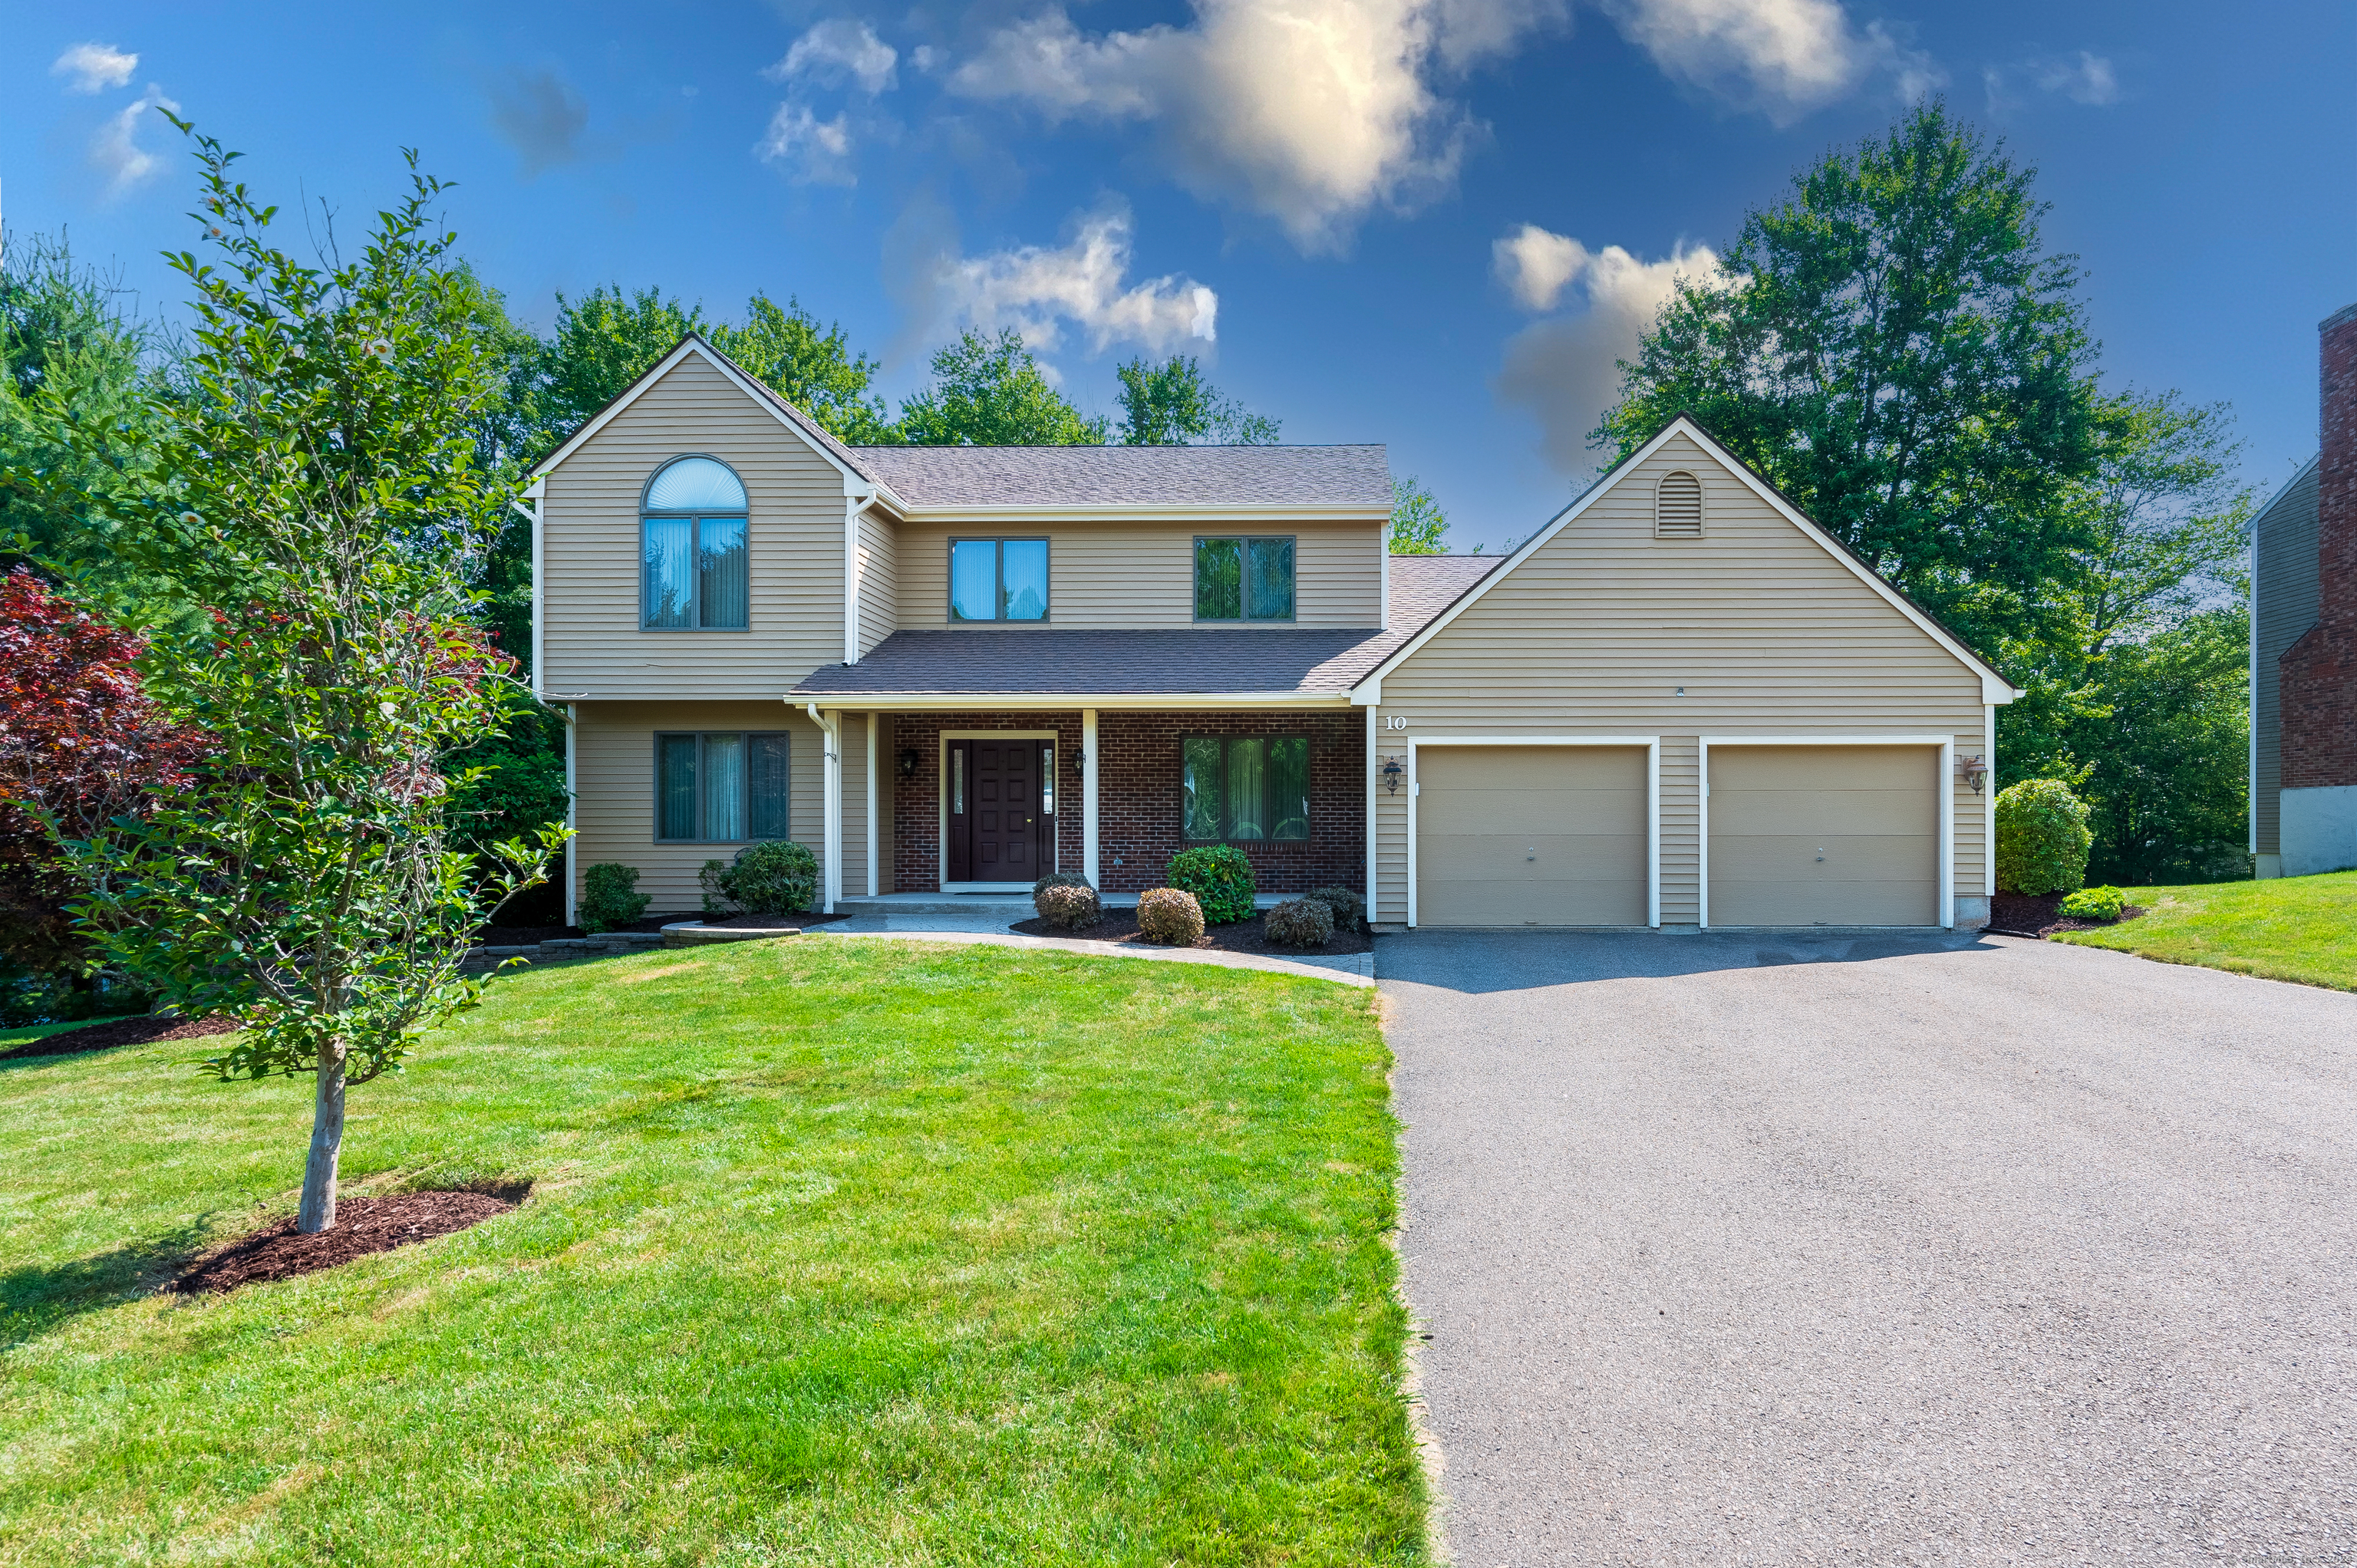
610 898
1220 877
775 878
1170 915
1300 923
2093 904
2042 838
1349 904
1067 906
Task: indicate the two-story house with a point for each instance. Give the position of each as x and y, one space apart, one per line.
1678 704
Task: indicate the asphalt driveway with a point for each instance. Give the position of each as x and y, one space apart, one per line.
1947 1250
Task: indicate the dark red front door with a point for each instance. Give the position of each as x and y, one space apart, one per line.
998 828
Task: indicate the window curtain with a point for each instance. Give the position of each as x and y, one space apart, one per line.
1219 583
675 785
1247 790
670 592
1023 569
720 571
772 818
973 580
1288 788
1272 579
724 786
1201 776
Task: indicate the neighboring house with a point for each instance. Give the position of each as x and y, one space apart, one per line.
953 668
2304 639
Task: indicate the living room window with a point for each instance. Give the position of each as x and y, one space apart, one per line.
998 579
691 553
1244 788
1244 579
723 788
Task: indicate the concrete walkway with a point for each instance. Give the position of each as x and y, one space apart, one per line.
1892 1250
1349 969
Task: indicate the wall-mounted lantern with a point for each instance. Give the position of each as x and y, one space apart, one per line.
908 760
1973 770
1393 773
1080 760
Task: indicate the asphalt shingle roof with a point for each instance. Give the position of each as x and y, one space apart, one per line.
1175 661
1356 477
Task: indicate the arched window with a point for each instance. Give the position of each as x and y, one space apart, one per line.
692 548
1677 507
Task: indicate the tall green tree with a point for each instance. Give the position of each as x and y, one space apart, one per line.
813 367
1417 522
1170 404
1895 349
988 392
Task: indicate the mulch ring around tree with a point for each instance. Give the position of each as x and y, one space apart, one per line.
1243 936
2021 915
109 1033
363 1227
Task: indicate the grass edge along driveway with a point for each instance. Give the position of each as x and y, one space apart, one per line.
2300 928
839 1252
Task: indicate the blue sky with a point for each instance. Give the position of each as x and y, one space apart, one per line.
1431 223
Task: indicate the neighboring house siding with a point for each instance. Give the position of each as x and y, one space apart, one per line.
1124 576
1767 633
879 585
2283 606
614 763
591 640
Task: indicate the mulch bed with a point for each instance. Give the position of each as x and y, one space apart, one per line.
2020 914
109 1033
1244 936
363 1227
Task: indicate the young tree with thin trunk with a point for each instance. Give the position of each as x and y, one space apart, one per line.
317 484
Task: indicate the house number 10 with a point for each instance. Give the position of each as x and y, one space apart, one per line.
1397 721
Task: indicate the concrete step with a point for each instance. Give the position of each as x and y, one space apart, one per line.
932 906
696 934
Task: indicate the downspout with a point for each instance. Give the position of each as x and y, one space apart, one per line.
830 870
854 504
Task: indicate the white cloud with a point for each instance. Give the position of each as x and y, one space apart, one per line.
93 66
819 150
1783 57
116 151
1039 290
836 50
2089 78
1565 368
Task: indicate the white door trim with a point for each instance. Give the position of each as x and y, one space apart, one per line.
942 809
1943 781
1652 744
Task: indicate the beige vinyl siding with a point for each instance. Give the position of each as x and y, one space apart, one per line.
614 815
2283 607
879 587
1143 575
1767 633
591 639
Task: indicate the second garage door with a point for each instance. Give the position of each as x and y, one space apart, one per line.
1825 835
1539 836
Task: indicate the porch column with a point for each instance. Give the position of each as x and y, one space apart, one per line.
830 856
875 885
1089 796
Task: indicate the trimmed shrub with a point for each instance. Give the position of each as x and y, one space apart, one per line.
610 898
777 876
1350 906
2093 904
1220 878
1170 915
1301 923
2042 838
1068 907
713 880
1056 879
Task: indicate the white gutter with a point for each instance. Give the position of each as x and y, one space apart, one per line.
830 866
1035 702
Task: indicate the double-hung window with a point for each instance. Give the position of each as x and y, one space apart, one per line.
723 787
692 569
998 579
1244 788
1244 579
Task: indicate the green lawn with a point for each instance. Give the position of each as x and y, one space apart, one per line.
2292 928
840 1253
19 1033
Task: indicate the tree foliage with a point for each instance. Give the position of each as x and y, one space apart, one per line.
1417 522
988 392
1171 404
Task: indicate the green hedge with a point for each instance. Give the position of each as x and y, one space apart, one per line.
1220 878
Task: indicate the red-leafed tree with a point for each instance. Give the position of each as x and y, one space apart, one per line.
81 744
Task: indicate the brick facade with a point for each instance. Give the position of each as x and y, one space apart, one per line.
1138 795
2320 670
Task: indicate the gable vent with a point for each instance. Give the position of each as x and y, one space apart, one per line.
1677 507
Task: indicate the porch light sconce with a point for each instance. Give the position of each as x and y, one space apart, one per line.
1393 774
1973 770
1080 760
908 760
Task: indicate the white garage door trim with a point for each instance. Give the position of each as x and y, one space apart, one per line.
1943 781
1652 744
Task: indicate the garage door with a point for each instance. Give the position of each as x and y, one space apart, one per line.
1825 835
1520 835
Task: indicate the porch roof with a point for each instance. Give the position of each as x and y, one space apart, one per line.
1177 662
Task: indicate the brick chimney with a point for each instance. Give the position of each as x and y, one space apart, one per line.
2320 670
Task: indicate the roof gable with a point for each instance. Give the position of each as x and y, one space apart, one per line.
1994 687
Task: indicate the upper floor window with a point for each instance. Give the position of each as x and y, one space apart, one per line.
1244 579
692 548
998 579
